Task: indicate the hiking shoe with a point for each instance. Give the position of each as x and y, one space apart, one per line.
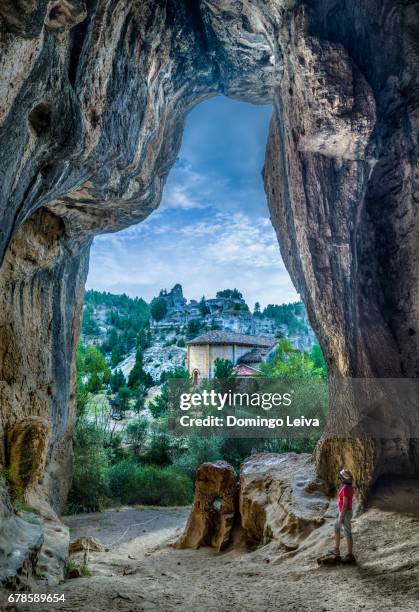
348 559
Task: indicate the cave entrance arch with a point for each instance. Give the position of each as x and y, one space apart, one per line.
215 213
96 158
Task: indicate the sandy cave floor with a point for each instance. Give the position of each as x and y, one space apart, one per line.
142 572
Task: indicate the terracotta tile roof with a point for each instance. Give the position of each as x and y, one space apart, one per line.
255 355
227 337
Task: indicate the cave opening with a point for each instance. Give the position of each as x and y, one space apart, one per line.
207 260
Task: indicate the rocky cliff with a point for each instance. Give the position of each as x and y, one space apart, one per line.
93 99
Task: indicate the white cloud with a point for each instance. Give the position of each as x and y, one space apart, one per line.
205 256
211 230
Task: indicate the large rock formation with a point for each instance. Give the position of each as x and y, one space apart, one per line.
279 498
93 100
342 188
214 510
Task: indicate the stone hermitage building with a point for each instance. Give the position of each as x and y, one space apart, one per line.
244 351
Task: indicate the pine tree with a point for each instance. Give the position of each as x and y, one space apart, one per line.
138 376
203 308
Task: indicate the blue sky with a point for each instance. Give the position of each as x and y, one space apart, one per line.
212 230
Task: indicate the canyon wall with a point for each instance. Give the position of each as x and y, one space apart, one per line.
93 97
342 185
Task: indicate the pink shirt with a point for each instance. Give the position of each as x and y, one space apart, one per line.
345 491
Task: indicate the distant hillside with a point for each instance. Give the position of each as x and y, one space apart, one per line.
114 322
229 311
119 324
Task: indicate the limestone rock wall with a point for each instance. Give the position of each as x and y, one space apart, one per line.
341 182
42 284
93 97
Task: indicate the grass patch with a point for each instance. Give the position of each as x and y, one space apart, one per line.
132 483
85 572
72 570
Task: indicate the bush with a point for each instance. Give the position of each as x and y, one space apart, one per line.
136 434
121 478
161 443
89 488
132 483
200 450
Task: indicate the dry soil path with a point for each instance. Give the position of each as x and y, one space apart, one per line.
142 572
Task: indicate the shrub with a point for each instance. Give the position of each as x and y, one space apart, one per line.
136 434
200 450
90 470
132 483
160 448
121 478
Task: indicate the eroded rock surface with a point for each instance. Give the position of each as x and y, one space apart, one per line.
341 181
93 101
20 544
280 498
214 510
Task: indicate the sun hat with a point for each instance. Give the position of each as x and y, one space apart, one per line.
346 476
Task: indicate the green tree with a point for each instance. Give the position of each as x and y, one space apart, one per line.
82 393
94 361
116 356
89 325
124 395
94 384
143 339
90 469
257 313
160 405
139 393
199 450
138 376
160 449
289 363
223 368
193 328
136 434
117 381
95 369
316 356
111 340
230 293
203 308
158 308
